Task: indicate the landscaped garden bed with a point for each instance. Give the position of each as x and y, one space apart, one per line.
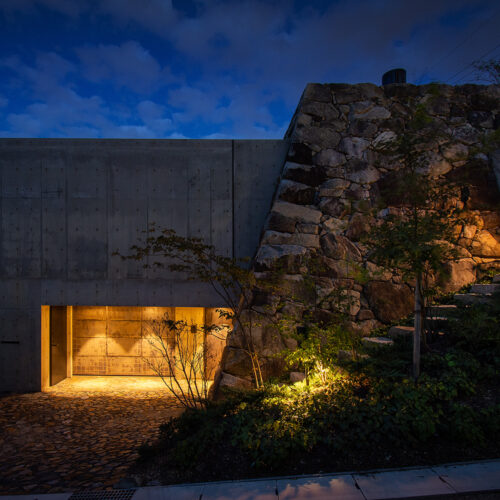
369 414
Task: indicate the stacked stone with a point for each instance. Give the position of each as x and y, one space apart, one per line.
329 193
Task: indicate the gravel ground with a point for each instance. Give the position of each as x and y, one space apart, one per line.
83 433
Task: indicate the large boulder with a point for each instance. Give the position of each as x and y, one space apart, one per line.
485 245
236 362
366 110
361 172
230 381
329 158
317 137
312 175
337 246
333 187
354 146
301 239
281 223
457 274
322 111
389 301
296 192
359 226
297 212
333 206
269 255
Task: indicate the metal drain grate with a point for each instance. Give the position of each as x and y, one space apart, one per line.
103 495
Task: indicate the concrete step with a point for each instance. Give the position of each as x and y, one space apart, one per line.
472 298
491 288
496 278
441 311
400 331
376 342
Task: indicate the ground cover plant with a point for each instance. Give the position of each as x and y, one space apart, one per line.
367 413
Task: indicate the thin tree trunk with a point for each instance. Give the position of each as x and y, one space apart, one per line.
417 334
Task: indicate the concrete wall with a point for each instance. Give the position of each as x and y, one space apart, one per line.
66 205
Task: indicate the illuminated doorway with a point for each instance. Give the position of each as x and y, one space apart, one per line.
115 340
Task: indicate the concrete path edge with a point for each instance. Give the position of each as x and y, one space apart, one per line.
447 479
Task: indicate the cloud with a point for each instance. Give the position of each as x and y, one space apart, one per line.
57 108
231 109
68 7
245 62
156 16
154 117
127 65
345 41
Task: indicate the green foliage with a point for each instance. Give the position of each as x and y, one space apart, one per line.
488 70
318 349
230 279
369 405
415 236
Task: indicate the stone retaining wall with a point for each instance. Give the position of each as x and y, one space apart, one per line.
329 196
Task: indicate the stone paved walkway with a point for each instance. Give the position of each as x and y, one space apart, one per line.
82 433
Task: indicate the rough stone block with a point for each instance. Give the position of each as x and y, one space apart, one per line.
312 175
296 192
298 212
230 381
389 301
337 246
329 158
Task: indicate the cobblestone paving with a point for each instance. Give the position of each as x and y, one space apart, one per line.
81 434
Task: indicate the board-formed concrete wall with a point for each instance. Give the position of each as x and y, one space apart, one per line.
66 205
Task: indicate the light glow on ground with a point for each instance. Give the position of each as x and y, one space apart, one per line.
121 384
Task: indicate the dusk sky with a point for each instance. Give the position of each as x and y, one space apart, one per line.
217 69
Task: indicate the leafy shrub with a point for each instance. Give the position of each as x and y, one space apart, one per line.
369 407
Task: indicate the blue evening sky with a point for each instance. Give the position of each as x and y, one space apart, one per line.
217 68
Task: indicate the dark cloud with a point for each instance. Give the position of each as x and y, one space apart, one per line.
125 65
156 16
222 68
67 7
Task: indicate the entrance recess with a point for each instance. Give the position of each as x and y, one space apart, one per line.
120 340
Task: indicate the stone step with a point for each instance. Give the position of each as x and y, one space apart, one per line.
434 322
400 331
472 298
480 288
496 278
441 311
376 342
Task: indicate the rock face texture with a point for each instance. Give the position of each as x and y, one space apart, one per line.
330 195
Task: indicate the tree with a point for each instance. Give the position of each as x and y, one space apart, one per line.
178 355
417 234
488 70
230 279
